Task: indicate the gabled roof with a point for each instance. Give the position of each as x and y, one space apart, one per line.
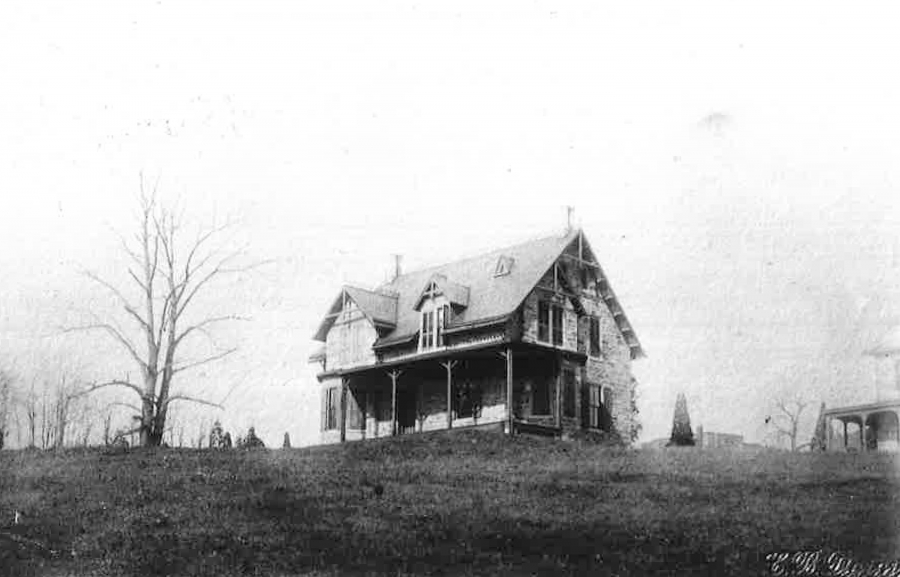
379 307
490 297
456 293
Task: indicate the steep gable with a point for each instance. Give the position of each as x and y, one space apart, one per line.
379 307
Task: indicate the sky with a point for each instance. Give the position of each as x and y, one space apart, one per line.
734 168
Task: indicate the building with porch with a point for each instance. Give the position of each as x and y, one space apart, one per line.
530 337
871 426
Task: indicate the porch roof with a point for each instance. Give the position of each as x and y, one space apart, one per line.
448 354
866 408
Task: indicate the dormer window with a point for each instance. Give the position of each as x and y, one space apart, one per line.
504 266
433 322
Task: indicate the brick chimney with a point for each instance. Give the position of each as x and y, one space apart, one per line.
398 258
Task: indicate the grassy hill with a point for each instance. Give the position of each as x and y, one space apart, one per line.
462 503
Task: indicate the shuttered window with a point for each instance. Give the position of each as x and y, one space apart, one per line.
594 406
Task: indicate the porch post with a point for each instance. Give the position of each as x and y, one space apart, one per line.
558 390
846 439
449 366
897 432
394 375
863 446
343 409
510 416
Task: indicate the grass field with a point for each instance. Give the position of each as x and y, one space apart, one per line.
452 504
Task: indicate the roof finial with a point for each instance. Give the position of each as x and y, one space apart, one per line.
570 210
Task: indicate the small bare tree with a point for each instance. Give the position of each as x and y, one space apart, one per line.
787 418
168 274
6 400
30 404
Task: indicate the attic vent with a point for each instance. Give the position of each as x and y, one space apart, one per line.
504 266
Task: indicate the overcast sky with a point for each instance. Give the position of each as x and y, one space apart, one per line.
735 170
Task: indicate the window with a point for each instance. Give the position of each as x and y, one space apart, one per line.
442 316
606 420
332 400
595 336
557 318
569 393
550 320
543 321
594 406
467 400
427 337
433 324
504 265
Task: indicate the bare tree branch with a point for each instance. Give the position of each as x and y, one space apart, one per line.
787 424
205 323
174 398
112 331
195 364
129 308
126 405
115 383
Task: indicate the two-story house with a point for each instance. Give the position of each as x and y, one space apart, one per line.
529 337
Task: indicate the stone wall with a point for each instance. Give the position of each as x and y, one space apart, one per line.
611 369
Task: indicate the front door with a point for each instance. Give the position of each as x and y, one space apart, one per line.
406 410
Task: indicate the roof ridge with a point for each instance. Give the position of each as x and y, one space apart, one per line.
480 255
376 291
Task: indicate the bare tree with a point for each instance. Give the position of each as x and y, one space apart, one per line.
107 427
168 274
787 418
67 390
6 400
30 406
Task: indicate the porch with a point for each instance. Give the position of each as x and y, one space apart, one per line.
451 389
872 427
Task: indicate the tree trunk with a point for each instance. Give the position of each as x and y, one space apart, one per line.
62 417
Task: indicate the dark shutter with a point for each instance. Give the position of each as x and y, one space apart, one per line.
569 401
585 404
606 410
595 335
